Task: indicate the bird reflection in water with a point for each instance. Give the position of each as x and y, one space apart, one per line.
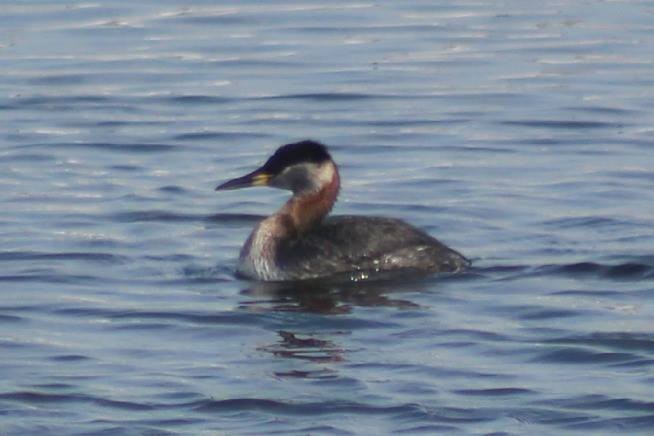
321 298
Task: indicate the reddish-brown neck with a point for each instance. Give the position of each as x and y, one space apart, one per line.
307 209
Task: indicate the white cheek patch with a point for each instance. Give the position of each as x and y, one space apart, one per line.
324 174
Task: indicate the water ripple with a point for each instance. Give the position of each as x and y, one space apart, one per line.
154 216
615 340
81 256
578 355
625 271
564 124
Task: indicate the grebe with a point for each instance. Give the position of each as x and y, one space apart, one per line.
298 242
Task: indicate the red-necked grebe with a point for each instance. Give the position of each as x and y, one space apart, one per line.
298 242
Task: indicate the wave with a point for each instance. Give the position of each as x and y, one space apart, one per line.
622 271
109 146
156 216
82 256
630 270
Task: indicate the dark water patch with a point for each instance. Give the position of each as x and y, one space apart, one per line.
10 318
132 148
478 149
426 181
197 99
126 168
109 146
69 358
630 270
613 340
178 258
588 293
155 216
143 326
32 397
54 386
539 141
38 398
125 405
176 394
534 313
365 150
50 278
550 417
595 402
27 308
624 271
414 123
621 424
172 189
209 135
331 96
321 374
563 124
542 314
416 388
602 403
458 344
603 110
123 123
584 222
478 335
27 157
80 256
38 100
577 355
494 392
280 407
71 105
59 79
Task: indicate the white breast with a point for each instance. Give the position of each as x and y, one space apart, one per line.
257 258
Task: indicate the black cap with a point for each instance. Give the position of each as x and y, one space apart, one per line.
296 153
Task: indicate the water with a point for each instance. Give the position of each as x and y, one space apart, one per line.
519 133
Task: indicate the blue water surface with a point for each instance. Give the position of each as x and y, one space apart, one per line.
518 132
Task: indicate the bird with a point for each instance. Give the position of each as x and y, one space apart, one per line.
300 241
